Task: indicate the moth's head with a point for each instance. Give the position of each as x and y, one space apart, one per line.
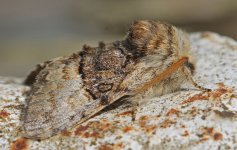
183 45
142 37
190 66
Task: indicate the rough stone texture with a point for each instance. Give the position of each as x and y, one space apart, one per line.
188 119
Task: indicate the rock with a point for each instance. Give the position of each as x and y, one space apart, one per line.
188 119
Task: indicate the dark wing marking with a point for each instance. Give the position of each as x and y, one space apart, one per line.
31 78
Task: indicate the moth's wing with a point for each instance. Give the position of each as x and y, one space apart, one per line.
57 99
31 78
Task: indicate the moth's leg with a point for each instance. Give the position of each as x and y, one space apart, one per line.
188 75
32 76
165 74
135 106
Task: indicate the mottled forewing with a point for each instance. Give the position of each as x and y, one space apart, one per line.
57 99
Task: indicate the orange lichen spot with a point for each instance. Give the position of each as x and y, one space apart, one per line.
92 134
200 96
143 121
4 114
126 113
193 111
217 136
102 125
116 146
80 130
143 118
212 95
186 133
150 129
220 91
203 139
106 147
127 129
167 123
65 133
173 111
94 129
19 144
208 130
212 133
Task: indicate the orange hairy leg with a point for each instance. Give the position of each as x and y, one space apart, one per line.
189 77
171 69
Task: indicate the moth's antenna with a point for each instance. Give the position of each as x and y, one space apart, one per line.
189 77
171 69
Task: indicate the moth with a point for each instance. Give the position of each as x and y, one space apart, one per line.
153 58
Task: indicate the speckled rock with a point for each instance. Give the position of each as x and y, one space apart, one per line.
188 119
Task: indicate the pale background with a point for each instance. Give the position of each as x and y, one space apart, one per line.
34 31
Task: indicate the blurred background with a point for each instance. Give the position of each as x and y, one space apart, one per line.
34 31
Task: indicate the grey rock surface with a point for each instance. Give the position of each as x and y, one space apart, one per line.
187 119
